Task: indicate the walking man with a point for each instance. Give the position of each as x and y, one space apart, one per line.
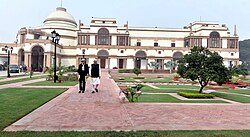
83 71
95 76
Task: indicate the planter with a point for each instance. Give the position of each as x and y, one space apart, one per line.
59 81
176 79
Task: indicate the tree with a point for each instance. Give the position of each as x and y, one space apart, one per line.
154 65
136 71
204 66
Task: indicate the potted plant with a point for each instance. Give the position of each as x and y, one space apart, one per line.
31 73
60 73
176 76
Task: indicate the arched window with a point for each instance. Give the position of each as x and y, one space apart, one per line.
103 37
215 40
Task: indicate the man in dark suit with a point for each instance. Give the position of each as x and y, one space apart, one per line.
83 71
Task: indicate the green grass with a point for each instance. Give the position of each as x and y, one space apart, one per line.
17 102
173 90
159 98
125 79
224 133
157 80
234 97
51 83
20 80
246 92
178 86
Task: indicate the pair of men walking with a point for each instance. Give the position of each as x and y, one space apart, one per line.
94 73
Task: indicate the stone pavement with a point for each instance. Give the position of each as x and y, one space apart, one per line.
104 110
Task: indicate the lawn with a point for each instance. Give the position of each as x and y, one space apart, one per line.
51 83
234 97
178 86
146 79
228 133
21 80
17 102
159 98
247 92
172 90
157 80
125 79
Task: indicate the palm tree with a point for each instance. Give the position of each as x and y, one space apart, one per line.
154 65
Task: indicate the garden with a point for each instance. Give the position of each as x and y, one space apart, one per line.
191 84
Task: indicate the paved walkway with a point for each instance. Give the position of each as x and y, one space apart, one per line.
72 111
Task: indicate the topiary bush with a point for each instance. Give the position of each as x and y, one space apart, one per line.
195 95
137 71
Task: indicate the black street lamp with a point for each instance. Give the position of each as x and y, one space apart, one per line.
9 51
55 39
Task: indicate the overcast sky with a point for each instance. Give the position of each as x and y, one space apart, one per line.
15 14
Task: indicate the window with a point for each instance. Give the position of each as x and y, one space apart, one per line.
122 40
84 40
232 54
156 44
172 44
215 40
138 43
122 51
103 37
22 40
231 43
197 42
37 36
159 52
186 44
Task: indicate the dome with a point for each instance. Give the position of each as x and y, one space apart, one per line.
60 18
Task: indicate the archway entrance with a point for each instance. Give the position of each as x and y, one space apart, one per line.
21 57
177 56
37 58
140 59
103 56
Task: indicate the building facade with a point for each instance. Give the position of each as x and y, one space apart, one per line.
122 47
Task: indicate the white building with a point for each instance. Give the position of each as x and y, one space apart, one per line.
124 47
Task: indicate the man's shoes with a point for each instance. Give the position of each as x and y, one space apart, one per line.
93 91
96 90
80 91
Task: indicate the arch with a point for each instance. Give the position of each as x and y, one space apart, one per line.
177 56
37 58
103 36
140 57
103 56
141 54
215 39
21 57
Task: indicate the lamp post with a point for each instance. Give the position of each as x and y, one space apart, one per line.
9 51
55 39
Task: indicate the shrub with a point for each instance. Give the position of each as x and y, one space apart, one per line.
124 71
139 77
136 71
134 93
195 95
115 68
176 75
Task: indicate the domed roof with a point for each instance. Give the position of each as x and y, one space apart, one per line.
58 17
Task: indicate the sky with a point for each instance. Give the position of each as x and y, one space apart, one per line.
15 14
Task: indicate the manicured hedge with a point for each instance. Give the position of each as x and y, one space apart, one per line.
195 95
139 77
125 71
